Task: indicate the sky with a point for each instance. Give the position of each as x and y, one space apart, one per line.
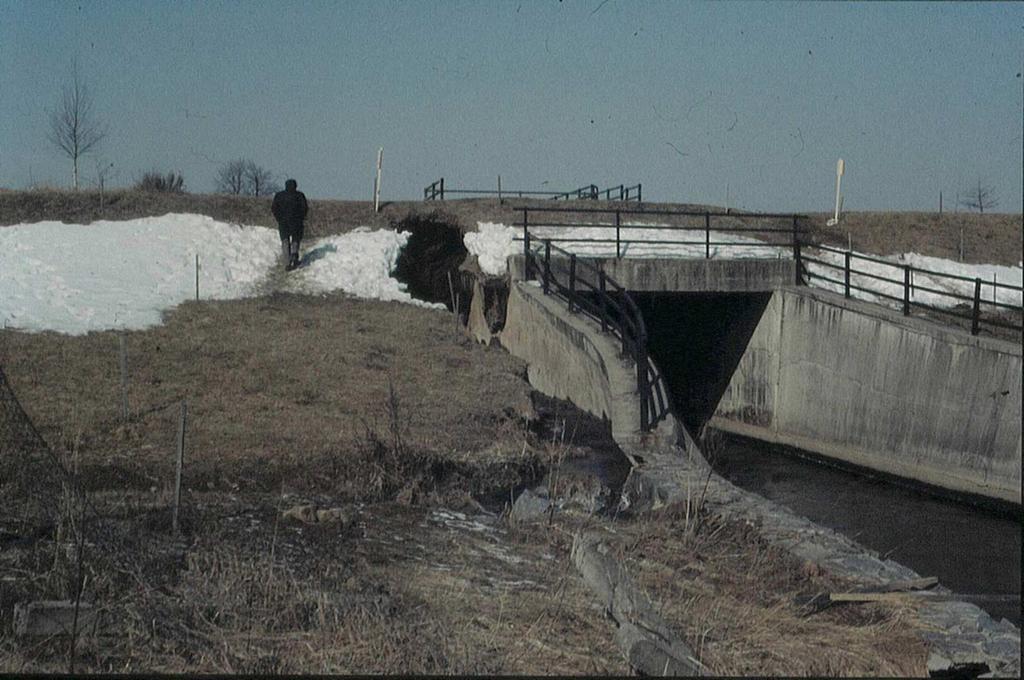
741 104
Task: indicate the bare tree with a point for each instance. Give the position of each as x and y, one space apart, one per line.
979 198
231 177
73 127
259 181
244 177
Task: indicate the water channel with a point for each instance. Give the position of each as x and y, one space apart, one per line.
973 551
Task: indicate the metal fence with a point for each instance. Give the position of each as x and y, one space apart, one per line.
976 301
589 290
437 191
696 230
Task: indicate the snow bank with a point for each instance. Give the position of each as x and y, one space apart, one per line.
75 278
359 262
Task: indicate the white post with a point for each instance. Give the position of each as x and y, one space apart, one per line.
376 182
840 168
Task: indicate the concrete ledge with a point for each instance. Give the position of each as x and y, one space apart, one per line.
683 275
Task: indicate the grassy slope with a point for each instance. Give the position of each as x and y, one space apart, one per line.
991 238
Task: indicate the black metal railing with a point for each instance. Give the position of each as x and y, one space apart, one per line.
966 307
787 237
437 191
590 291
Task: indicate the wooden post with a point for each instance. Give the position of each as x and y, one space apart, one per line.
124 378
940 203
177 472
454 297
961 243
197 277
994 283
501 201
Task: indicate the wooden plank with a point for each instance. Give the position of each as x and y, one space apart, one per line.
881 597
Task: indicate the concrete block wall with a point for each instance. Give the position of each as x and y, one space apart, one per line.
865 385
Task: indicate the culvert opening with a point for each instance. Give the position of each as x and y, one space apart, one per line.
429 263
697 340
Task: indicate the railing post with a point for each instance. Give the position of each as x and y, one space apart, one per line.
526 248
976 312
618 225
638 195
846 271
604 301
572 280
442 188
906 290
547 265
707 235
796 255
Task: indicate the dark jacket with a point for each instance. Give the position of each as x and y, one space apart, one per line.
290 208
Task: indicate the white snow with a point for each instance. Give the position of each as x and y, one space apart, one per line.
75 278
359 263
493 244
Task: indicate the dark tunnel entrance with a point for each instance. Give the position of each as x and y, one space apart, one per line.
697 340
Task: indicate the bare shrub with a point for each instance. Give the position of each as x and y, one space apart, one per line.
171 183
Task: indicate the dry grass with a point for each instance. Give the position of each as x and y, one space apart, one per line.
400 590
991 238
281 390
735 599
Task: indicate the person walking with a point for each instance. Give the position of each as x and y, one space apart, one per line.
290 208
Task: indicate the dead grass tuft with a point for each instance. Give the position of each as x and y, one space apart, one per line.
736 600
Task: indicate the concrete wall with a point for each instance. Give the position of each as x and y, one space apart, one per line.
859 383
685 275
569 359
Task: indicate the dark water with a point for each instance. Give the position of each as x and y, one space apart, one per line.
973 552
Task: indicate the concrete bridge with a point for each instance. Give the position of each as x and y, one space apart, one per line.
765 358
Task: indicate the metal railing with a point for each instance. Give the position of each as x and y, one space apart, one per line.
588 290
437 191
873 283
788 236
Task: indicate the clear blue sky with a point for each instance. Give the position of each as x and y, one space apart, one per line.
691 99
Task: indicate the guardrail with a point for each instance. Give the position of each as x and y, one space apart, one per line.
909 288
788 237
589 290
437 191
